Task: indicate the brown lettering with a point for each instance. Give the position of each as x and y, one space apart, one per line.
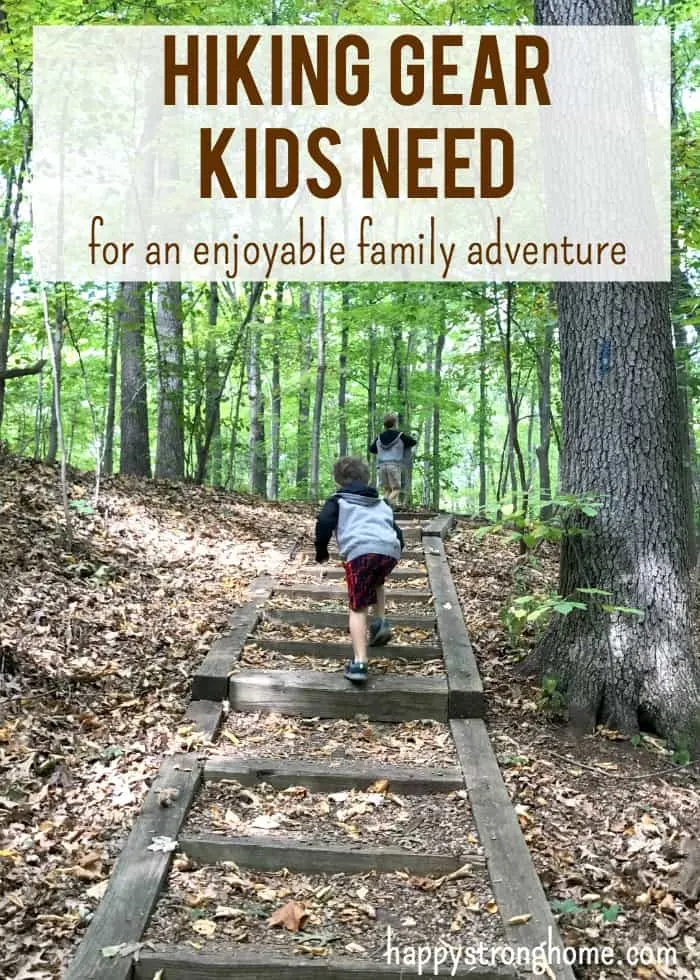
359 72
329 168
488 137
453 162
211 163
415 73
442 71
535 73
171 69
272 187
488 73
372 156
238 70
415 163
303 67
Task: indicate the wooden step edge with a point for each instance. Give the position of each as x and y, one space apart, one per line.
341 651
339 620
138 876
440 526
326 777
516 885
184 963
326 694
266 853
210 681
398 574
466 698
409 554
325 590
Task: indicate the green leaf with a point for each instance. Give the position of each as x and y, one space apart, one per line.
566 907
611 913
567 606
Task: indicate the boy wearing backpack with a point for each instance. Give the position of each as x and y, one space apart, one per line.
370 544
389 448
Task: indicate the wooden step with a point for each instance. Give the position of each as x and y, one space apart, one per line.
273 853
341 651
321 694
324 591
184 963
330 777
338 620
410 554
335 573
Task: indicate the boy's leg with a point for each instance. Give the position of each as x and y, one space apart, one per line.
358 634
380 630
379 608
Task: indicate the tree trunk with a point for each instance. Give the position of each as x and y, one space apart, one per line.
372 376
256 444
512 400
276 397
544 402
233 451
303 441
318 396
437 390
9 279
483 411
57 347
427 493
135 454
342 374
622 441
108 438
212 390
170 451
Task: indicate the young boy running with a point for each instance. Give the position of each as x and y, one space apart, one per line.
370 544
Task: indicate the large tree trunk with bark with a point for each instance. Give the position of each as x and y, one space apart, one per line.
135 454
170 451
622 442
12 216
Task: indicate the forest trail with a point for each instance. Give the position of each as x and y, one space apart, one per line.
353 849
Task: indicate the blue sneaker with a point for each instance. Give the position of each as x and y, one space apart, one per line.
379 632
356 671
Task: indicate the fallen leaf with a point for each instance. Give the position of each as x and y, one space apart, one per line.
292 916
204 927
520 920
164 844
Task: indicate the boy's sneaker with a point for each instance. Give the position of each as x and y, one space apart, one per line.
356 671
379 632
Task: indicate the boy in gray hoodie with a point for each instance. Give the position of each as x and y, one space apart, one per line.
370 544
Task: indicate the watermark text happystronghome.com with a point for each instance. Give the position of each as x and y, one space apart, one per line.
447 957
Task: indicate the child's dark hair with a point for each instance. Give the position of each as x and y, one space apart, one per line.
349 468
390 421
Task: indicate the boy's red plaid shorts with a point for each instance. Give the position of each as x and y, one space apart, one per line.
364 575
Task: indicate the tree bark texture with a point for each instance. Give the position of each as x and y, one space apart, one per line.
276 397
622 442
304 410
318 393
256 444
129 315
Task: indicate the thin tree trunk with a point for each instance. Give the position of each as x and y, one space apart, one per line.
231 476
212 388
372 376
505 332
57 348
276 397
427 494
256 444
108 438
9 280
303 441
318 395
342 374
544 401
437 391
483 411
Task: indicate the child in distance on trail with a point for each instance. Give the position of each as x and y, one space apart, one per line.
393 451
370 544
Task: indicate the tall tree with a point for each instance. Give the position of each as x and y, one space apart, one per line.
57 348
129 315
318 392
111 363
276 395
212 400
343 373
622 442
256 400
170 449
437 393
304 410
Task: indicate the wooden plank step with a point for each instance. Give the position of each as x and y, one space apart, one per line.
338 620
184 963
440 526
398 573
138 876
341 651
326 777
410 554
466 698
516 886
210 682
323 591
274 853
321 694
